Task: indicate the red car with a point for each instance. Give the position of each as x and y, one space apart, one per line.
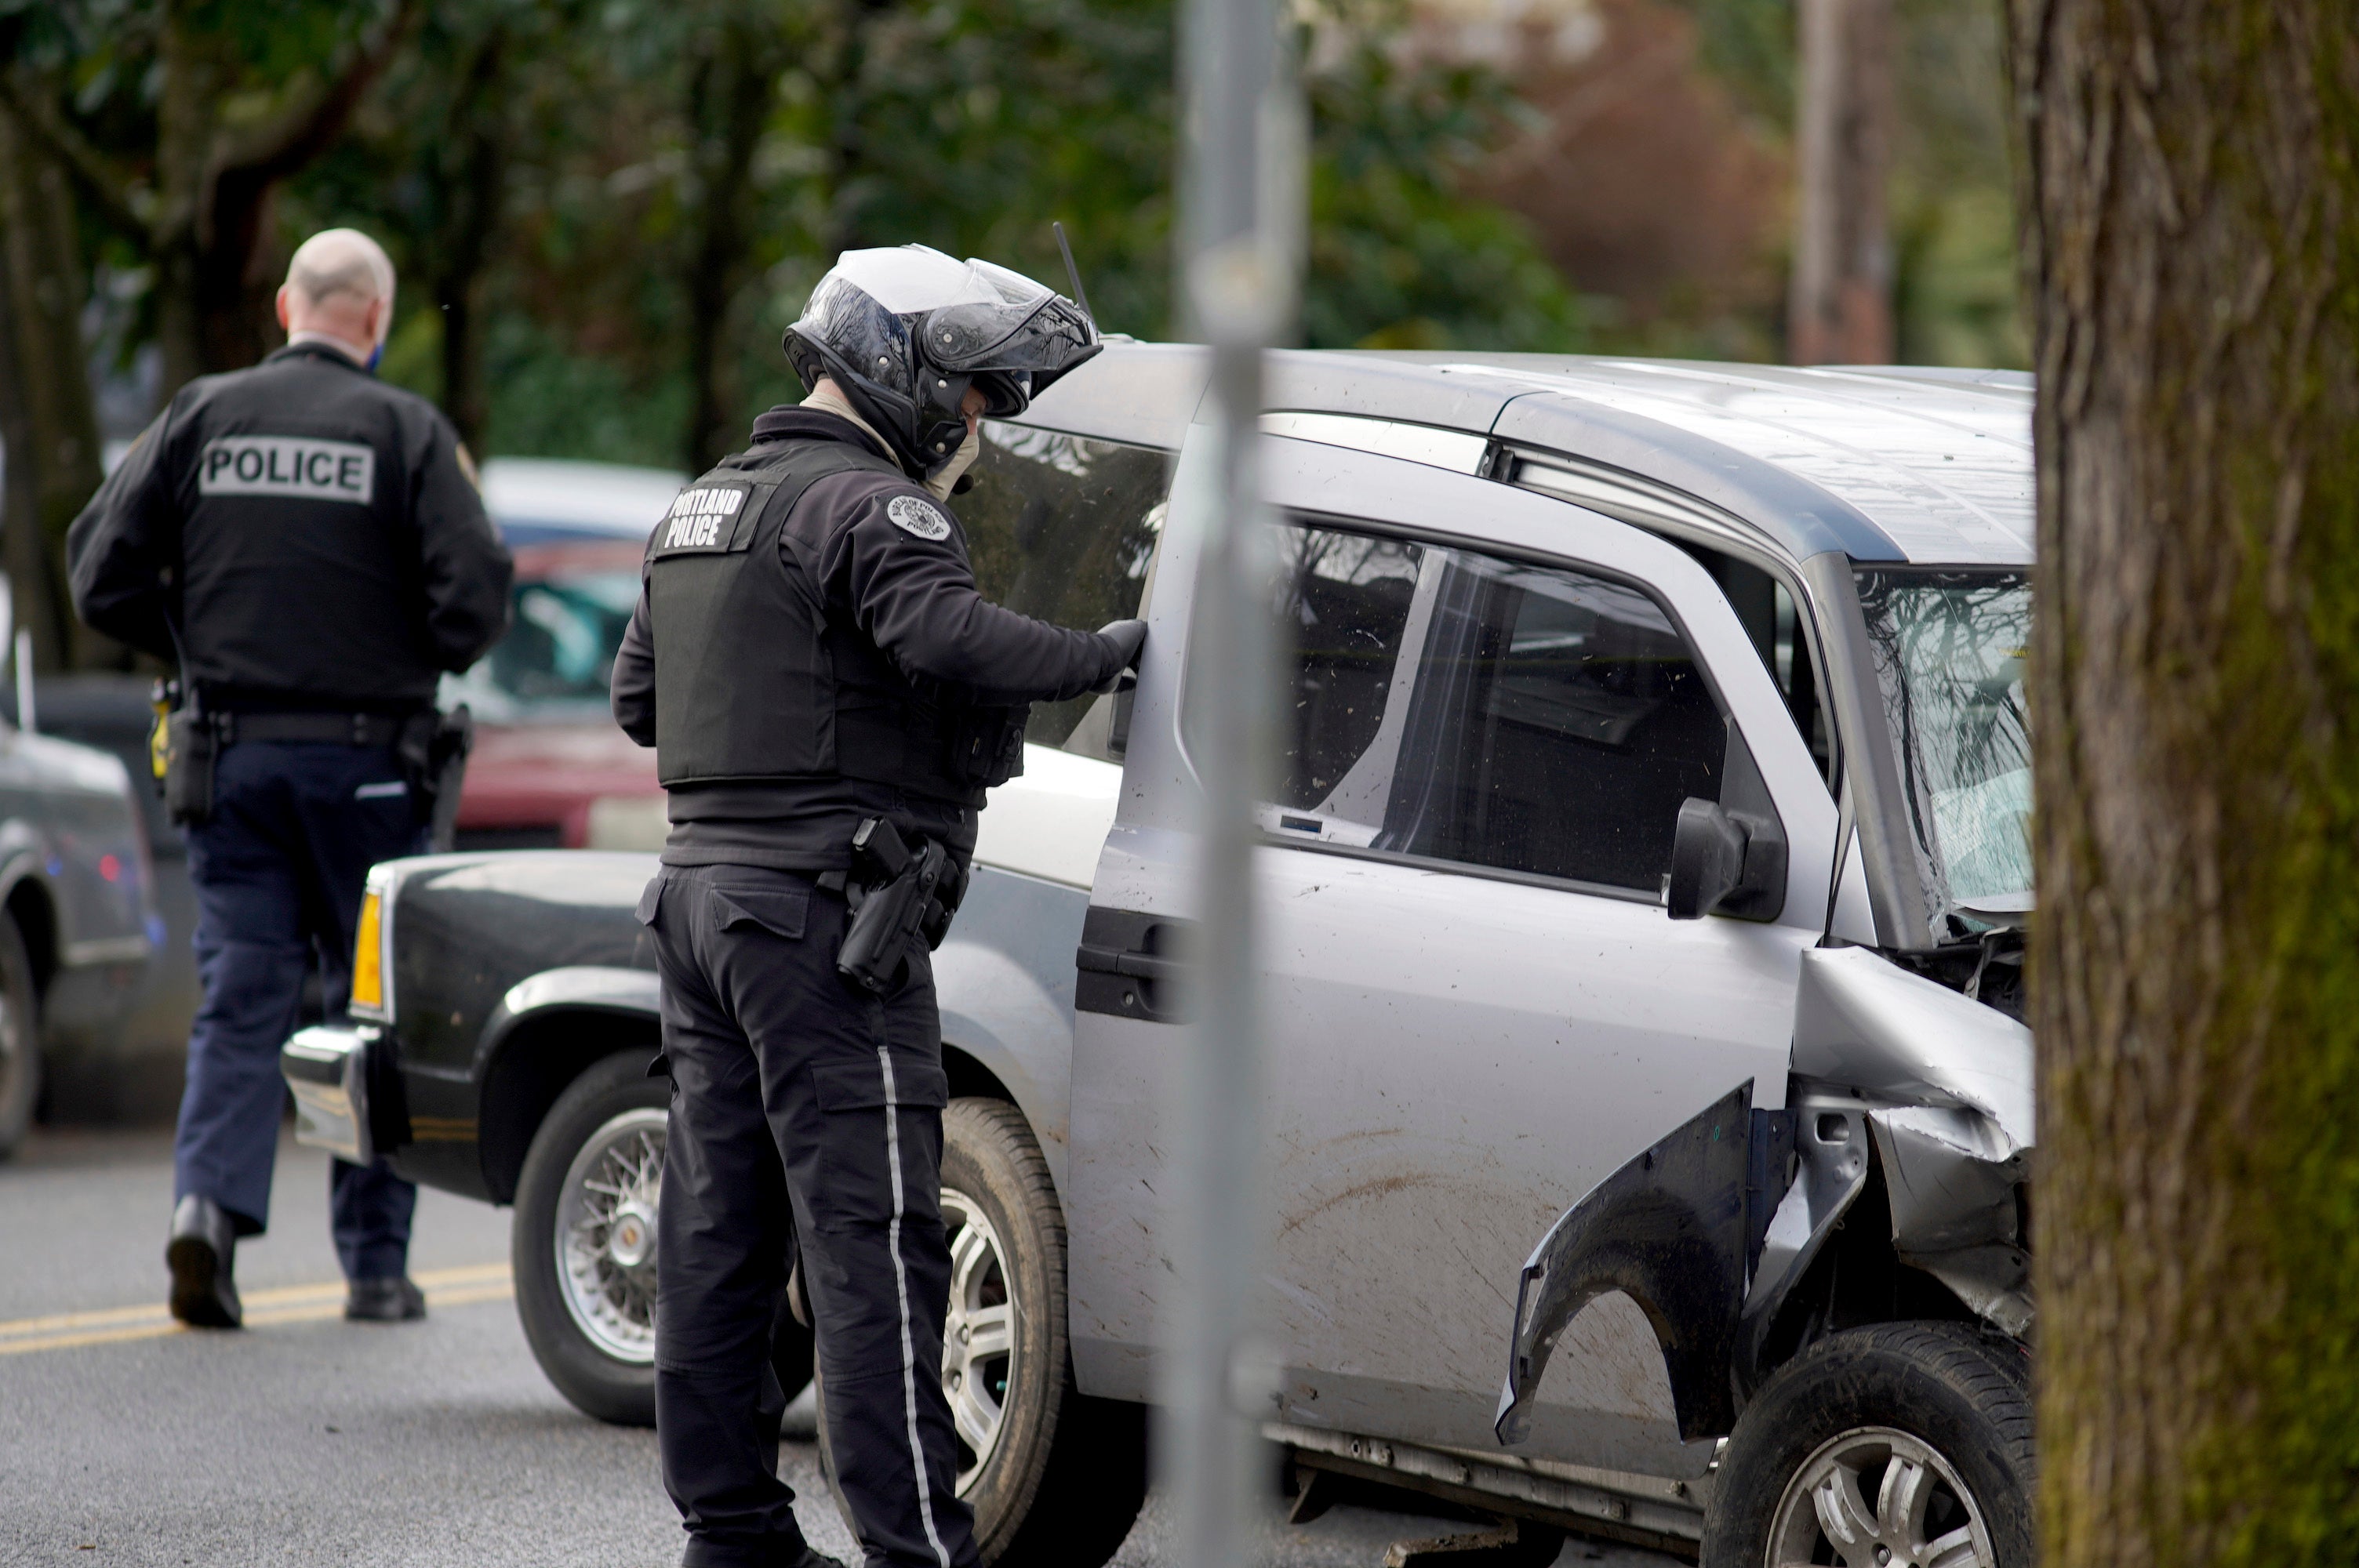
549 769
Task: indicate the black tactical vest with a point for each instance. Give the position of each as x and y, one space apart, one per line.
754 681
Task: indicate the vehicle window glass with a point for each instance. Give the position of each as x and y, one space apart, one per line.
1949 650
1773 624
1343 605
1452 706
555 660
1064 529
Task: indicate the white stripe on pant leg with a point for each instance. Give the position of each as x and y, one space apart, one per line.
901 1290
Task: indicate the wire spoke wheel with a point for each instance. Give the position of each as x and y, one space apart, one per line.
606 1234
979 1333
1877 1498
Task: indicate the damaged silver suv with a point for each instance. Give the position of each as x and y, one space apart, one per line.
1644 893
1644 899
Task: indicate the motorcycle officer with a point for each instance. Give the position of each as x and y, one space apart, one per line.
829 696
307 545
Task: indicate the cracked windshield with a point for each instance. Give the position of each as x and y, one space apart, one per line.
1949 650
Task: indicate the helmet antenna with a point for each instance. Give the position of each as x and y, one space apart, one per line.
1073 272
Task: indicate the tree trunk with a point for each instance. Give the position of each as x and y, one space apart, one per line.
1839 311
475 190
731 84
218 170
46 413
2190 209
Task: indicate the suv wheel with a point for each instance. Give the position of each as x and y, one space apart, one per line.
1904 1442
583 1245
1053 1477
21 1039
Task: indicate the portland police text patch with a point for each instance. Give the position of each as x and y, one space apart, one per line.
294 466
912 515
702 517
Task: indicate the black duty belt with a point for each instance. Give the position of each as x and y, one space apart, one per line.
345 729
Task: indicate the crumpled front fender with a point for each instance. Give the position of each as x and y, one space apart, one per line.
1668 1229
1956 1155
1951 1174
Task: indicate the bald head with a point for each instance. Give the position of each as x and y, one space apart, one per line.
339 285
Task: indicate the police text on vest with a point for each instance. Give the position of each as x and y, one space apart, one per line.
294 466
697 515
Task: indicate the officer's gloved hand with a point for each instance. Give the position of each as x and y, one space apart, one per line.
1129 635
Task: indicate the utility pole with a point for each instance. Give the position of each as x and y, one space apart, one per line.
1242 203
1839 311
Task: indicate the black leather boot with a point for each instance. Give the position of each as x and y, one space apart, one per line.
389 1300
203 1254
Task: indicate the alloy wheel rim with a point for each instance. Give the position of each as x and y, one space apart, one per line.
606 1234
978 1333
1875 1496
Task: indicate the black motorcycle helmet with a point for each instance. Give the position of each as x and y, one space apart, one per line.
906 331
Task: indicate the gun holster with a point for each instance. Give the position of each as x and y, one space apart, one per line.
896 895
433 749
180 752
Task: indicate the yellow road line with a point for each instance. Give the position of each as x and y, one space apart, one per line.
282 1305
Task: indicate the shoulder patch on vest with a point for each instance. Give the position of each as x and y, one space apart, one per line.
912 515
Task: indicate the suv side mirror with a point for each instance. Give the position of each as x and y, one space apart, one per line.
1730 858
1707 859
1726 862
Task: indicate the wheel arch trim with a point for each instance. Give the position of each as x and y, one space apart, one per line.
513 1098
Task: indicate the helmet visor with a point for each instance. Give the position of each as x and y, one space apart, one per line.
964 318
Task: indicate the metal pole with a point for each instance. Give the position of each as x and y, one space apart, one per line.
27 719
1242 204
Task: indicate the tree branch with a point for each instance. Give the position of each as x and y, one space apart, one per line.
306 129
108 187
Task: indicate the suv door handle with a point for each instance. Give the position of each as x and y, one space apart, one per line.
1126 966
1138 966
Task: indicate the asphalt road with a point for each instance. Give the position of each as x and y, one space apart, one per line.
307 1440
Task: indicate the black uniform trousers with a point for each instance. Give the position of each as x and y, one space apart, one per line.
791 1087
279 869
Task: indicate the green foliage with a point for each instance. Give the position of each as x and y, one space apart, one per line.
1399 257
967 125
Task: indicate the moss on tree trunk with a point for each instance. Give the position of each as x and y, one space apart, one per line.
2192 199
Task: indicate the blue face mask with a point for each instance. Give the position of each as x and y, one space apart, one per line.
375 354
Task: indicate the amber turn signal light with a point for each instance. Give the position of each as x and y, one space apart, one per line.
368 969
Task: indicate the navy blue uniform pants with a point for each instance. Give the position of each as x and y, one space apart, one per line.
278 870
794 1093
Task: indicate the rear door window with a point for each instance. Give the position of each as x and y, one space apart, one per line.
1064 528
1452 706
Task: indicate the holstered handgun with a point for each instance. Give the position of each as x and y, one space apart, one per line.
433 749
896 895
180 753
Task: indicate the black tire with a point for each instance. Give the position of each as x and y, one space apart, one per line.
586 1369
1065 1478
1961 1393
20 1038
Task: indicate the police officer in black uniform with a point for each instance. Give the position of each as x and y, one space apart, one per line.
307 545
818 672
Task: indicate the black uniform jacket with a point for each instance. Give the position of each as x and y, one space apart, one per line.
916 599
311 531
